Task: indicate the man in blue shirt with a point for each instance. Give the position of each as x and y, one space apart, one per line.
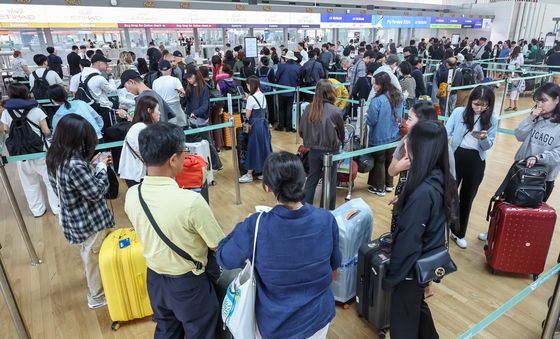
287 75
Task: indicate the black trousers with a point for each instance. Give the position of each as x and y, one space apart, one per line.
470 172
379 175
105 114
315 173
285 107
410 315
271 106
184 306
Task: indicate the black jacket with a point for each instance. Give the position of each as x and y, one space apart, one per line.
419 78
420 228
74 63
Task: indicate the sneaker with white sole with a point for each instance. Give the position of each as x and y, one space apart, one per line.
246 178
461 242
389 188
260 177
483 236
378 191
97 304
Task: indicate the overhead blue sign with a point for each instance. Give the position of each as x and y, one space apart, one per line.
392 21
346 18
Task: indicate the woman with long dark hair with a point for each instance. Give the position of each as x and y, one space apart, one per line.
81 183
197 98
383 119
322 131
259 145
472 130
131 165
516 59
424 209
299 304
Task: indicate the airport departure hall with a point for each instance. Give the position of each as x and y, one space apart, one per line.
279 169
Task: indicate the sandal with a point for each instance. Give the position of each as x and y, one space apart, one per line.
508 109
515 108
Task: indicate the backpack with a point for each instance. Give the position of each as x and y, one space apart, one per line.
307 79
22 139
194 172
442 90
265 87
468 76
84 94
40 86
151 77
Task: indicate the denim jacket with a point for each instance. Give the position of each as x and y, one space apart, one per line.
383 126
456 131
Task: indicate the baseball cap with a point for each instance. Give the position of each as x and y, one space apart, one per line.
392 59
129 75
164 65
178 54
99 57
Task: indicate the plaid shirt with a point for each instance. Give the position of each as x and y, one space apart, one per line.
82 200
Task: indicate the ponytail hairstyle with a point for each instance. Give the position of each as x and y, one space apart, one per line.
58 95
284 175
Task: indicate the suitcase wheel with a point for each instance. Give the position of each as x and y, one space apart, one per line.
381 334
346 306
115 325
535 277
213 183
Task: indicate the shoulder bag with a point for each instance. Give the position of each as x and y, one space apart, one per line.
435 264
212 268
238 308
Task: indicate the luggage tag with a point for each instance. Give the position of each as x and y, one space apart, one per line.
123 243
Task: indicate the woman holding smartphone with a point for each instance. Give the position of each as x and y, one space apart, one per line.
81 188
472 130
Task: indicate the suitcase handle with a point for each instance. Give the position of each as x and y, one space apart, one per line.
351 214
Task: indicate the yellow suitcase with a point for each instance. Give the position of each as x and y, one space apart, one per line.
123 273
236 123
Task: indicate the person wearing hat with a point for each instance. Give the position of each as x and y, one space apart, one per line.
171 90
287 75
181 66
390 67
99 87
132 81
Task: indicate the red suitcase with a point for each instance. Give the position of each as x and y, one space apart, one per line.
519 238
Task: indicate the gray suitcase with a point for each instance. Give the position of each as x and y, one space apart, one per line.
355 221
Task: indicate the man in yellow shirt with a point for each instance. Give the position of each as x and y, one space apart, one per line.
181 293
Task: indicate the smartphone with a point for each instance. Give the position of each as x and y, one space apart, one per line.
477 134
102 156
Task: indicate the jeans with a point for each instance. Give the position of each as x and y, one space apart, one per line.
285 107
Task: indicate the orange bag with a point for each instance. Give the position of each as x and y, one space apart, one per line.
193 174
237 122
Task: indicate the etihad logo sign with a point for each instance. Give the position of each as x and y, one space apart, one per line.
16 14
85 16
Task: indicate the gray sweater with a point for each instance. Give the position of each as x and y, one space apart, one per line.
541 138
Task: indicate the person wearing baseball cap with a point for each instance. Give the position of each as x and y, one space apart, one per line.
99 86
171 90
287 75
390 67
132 81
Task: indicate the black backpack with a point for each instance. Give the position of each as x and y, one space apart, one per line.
151 77
307 76
264 78
84 94
522 186
40 86
468 75
22 139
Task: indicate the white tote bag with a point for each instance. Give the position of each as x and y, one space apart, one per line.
238 308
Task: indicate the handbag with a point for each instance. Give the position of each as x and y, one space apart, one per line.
435 264
212 269
238 308
247 127
113 191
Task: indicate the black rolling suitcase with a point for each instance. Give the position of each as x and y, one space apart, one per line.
242 147
372 301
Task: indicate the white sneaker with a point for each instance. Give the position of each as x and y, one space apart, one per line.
97 304
246 178
483 236
260 177
461 242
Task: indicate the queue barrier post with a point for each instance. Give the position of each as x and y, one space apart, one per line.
230 107
327 173
11 302
504 96
298 112
350 181
234 159
553 311
35 261
362 123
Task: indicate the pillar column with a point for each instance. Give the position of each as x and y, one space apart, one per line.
126 42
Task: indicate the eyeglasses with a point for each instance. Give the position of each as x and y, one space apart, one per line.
481 105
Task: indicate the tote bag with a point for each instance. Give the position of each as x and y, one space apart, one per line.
238 308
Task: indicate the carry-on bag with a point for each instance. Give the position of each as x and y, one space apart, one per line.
123 274
373 302
202 149
237 122
355 221
519 238
523 186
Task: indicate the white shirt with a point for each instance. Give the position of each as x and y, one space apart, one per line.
470 142
99 87
166 86
17 67
517 62
252 103
35 115
304 56
130 167
52 77
75 83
